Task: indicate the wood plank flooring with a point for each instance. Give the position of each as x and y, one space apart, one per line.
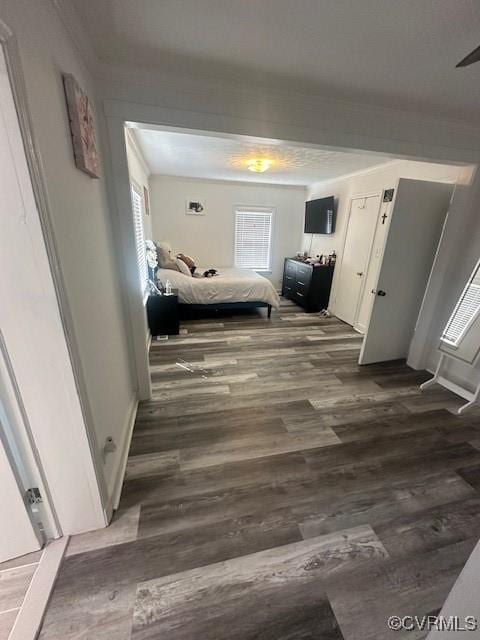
275 490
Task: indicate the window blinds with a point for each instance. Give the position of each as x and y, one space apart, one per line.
253 238
465 312
137 209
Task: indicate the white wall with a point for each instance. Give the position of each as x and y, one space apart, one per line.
139 173
33 340
368 182
81 222
210 238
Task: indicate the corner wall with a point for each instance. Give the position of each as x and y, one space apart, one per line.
210 238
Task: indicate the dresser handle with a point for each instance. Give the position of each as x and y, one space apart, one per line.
299 294
299 282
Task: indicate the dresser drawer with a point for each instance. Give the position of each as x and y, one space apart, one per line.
300 297
301 288
303 271
303 277
290 269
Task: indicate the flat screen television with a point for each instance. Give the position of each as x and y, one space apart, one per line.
320 215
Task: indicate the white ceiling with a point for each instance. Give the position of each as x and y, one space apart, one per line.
399 53
196 155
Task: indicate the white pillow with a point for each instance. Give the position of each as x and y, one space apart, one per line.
183 267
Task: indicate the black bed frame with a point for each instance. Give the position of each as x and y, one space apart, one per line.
225 306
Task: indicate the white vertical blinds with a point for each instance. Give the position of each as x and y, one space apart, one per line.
465 312
137 210
253 238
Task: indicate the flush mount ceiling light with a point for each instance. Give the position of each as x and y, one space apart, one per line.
259 165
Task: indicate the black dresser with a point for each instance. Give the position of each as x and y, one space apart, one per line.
306 284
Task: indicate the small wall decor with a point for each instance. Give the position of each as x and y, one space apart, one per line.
388 195
195 207
82 128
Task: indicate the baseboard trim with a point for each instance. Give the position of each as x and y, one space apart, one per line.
117 488
30 617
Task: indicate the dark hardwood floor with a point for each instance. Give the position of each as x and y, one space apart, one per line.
275 490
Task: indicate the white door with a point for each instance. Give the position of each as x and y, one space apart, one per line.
358 244
17 534
415 228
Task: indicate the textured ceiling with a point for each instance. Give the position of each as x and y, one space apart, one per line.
399 53
225 158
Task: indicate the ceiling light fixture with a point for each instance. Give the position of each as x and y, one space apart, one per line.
259 165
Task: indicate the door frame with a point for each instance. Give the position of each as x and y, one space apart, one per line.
359 196
10 49
17 432
120 112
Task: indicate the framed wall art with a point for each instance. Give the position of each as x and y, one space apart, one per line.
195 207
82 127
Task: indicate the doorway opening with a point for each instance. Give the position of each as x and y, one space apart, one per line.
382 268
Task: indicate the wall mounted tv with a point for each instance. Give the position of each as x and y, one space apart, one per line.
320 216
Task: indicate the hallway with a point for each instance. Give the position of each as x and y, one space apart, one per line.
275 489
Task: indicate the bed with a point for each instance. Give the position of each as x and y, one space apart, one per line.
230 289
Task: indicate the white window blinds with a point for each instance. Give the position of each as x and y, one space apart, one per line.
253 238
465 312
137 209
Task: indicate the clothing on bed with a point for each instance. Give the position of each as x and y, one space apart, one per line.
230 285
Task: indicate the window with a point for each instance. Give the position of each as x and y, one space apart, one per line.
465 312
137 209
253 238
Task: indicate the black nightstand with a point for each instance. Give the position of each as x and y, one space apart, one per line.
162 314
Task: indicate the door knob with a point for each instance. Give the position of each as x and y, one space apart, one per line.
381 293
359 273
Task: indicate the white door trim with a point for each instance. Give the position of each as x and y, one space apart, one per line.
118 177
25 444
